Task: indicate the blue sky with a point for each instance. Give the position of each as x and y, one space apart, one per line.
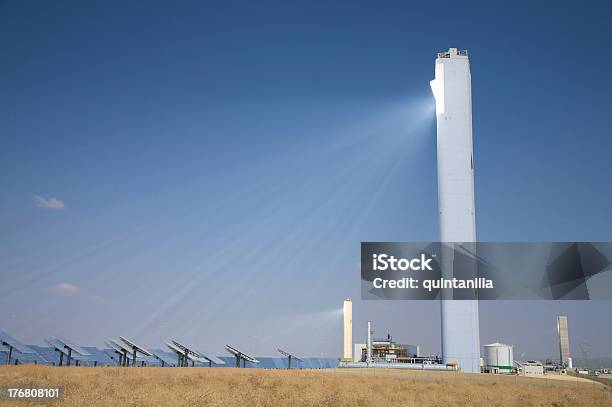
211 167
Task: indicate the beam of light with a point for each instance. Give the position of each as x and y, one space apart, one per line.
345 180
267 229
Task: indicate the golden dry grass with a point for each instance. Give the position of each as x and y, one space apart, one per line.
111 386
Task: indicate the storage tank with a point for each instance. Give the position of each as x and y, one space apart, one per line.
498 358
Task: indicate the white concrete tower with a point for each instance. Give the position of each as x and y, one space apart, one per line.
452 89
348 330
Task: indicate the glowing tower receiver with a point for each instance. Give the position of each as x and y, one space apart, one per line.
452 89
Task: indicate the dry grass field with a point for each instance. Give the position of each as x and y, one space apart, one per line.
332 387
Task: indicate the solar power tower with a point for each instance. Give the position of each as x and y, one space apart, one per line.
289 357
11 344
240 356
68 349
452 89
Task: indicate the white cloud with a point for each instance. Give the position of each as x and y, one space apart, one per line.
48 203
71 291
66 287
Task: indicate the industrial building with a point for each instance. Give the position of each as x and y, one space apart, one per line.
530 368
388 350
387 353
359 350
452 89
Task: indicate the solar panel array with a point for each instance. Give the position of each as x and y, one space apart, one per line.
164 358
135 347
93 356
68 351
292 356
9 342
196 356
68 344
47 356
240 355
115 347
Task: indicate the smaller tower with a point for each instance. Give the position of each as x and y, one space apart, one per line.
562 331
369 345
348 330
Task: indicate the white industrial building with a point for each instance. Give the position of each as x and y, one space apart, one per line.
359 348
387 353
531 368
